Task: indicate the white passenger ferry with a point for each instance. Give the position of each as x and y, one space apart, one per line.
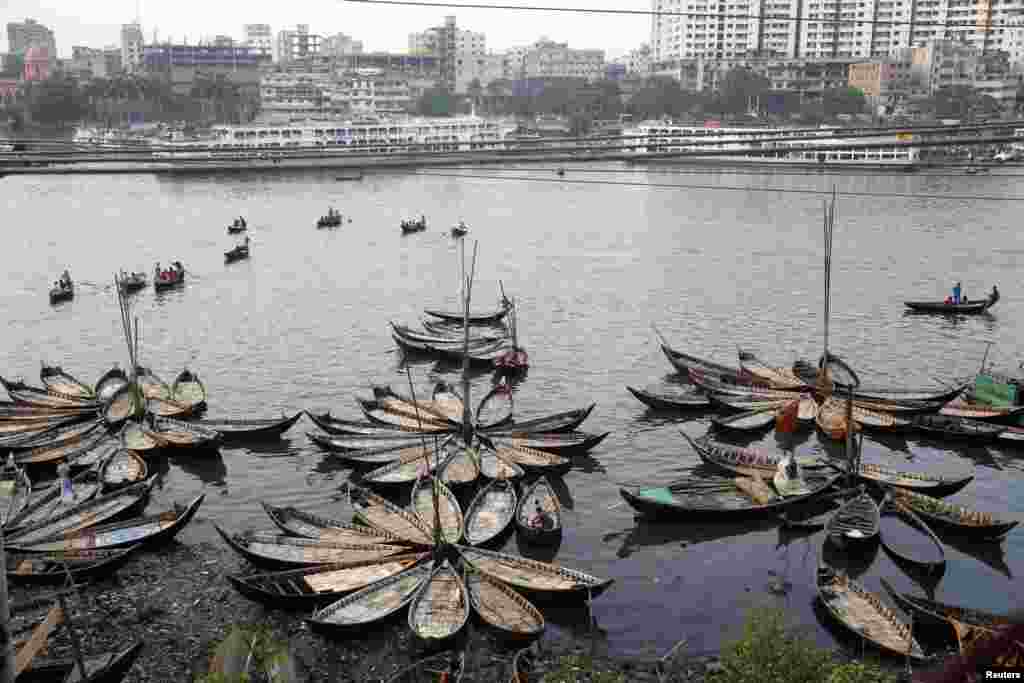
772 146
373 136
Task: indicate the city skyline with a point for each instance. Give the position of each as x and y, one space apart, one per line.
380 27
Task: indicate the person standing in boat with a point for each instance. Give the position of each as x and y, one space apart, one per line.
956 293
540 519
67 493
994 296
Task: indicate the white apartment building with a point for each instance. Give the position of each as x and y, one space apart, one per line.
816 28
514 62
131 47
547 58
463 53
297 44
638 61
341 44
260 37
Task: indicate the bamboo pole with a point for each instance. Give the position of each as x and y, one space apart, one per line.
7 663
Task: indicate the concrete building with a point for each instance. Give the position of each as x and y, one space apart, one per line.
461 52
87 62
808 77
297 44
30 33
547 59
514 63
38 63
341 44
223 41
181 64
638 61
259 37
883 81
131 47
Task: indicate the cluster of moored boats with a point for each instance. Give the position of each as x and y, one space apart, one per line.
857 504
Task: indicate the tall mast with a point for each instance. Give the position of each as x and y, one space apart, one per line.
467 419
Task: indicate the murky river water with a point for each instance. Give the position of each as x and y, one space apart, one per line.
304 325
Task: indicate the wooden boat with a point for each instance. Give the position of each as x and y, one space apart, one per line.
832 420
11 411
559 422
857 520
744 461
414 463
132 282
337 426
461 465
124 404
15 489
383 416
531 459
662 400
1011 436
447 667
375 602
977 411
444 336
108 385
413 226
459 230
165 407
241 431
933 613
909 540
748 421
954 518
152 386
777 377
59 435
789 478
148 530
189 390
446 401
942 307
539 514
171 278
237 253
496 408
957 427
566 444
932 485
493 466
308 525
863 613
69 451
440 607
271 549
34 396
110 667
178 435
474 318
490 512
537 579
375 457
19 427
454 329
809 408
62 293
88 514
684 362
55 379
448 510
329 221
121 469
746 405
384 515
484 355
40 568
721 497
91 459
135 438
49 504
320 583
875 420
813 514
503 608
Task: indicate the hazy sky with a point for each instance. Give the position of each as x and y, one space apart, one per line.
380 27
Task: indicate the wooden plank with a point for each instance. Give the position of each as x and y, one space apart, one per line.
38 639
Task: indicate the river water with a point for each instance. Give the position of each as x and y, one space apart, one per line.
303 324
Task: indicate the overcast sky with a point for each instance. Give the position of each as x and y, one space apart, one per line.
380 27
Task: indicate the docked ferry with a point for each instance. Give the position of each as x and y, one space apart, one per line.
365 136
786 146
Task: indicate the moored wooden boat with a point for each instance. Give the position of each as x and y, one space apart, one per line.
909 540
383 414
239 431
930 484
812 514
954 518
493 466
538 579
448 510
863 613
89 513
15 490
440 608
503 608
189 390
320 583
982 412
373 603
444 412
747 421
857 520
559 422
566 444
135 438
271 549
490 512
474 318
532 460
936 613
122 468
49 503
58 435
108 385
147 530
746 405
55 379
372 442
831 419
461 465
411 464
338 426
375 457
110 667
446 401
876 420
744 461
783 378
50 455
309 525
179 435
125 403
539 514
169 408
495 408
20 426
152 386
662 400
34 396
382 514
957 427
53 567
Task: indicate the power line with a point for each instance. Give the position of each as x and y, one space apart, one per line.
757 169
783 190
675 13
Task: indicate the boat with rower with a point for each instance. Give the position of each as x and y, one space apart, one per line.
970 308
238 253
131 282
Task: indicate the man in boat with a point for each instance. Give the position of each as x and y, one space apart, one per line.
540 519
67 493
423 220
994 296
956 293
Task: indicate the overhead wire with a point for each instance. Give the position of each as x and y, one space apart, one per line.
759 169
678 186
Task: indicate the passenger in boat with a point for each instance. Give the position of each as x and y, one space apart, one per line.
10 464
64 472
994 296
963 300
540 519
949 301
956 293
